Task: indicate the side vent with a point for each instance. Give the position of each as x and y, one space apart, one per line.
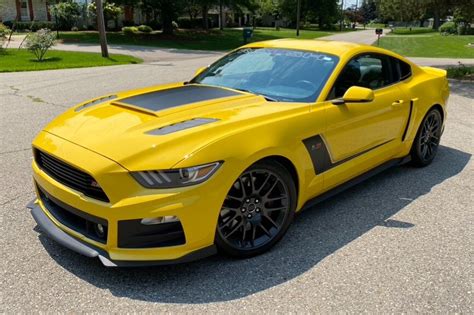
181 126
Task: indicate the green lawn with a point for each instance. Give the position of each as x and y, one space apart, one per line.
412 31
12 60
430 46
189 39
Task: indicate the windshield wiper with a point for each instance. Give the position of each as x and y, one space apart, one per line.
268 98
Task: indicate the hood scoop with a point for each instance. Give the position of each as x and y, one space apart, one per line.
174 97
181 126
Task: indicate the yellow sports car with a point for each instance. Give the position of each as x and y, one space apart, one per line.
176 172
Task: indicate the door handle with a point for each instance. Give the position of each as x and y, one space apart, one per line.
397 103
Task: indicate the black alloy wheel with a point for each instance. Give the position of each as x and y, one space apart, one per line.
257 210
427 139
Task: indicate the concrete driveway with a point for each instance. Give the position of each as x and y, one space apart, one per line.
400 242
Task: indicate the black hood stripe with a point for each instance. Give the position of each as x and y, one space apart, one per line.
178 96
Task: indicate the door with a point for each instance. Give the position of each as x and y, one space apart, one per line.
25 15
359 136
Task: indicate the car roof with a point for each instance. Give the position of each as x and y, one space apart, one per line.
337 48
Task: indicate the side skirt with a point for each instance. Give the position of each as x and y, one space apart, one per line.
356 180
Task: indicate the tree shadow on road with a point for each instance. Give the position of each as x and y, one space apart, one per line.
462 88
315 234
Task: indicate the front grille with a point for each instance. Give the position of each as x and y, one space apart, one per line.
75 219
69 176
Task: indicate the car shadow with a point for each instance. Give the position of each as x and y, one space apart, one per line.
315 234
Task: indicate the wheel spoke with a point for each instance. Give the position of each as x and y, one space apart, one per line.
234 198
264 183
265 230
244 233
242 187
226 224
275 209
252 184
271 221
275 198
252 239
272 187
234 230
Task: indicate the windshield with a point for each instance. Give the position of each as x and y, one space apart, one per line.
277 74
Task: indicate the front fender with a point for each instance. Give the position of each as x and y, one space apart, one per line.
240 150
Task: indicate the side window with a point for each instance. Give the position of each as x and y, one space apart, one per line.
372 71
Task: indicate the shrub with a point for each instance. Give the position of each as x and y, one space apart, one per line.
128 23
187 23
129 30
145 29
155 25
31 26
412 30
66 13
448 28
40 42
461 72
74 29
3 34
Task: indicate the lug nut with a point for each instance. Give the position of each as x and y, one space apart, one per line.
243 209
257 201
247 200
257 210
249 216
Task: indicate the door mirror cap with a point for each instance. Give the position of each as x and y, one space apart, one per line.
199 71
355 94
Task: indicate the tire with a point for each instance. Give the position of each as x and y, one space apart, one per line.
427 139
257 211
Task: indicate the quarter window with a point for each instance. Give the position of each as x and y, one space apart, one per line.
405 70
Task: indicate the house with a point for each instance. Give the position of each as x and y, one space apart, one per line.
24 10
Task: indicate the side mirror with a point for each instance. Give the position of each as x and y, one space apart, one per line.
199 71
356 94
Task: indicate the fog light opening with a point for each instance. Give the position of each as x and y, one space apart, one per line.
99 230
159 220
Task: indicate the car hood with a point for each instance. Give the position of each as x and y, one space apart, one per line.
158 127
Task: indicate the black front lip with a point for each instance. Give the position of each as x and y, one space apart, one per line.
55 233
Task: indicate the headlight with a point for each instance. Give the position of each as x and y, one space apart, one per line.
175 178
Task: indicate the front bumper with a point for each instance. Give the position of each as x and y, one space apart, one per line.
56 234
196 207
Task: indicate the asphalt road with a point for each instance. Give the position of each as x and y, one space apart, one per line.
400 242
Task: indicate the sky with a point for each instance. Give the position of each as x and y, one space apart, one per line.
349 3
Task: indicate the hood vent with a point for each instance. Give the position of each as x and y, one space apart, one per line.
181 126
97 101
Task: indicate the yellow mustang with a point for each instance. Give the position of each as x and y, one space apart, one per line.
175 172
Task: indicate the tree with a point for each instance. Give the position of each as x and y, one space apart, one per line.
205 5
323 12
368 11
66 14
111 12
402 10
